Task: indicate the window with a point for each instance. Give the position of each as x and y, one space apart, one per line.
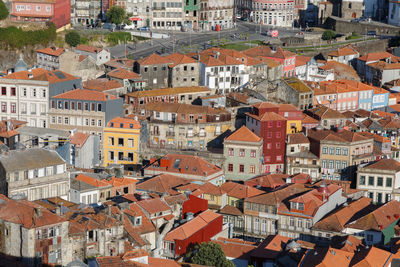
13 107
120 155
241 152
324 150
3 107
253 153
66 120
278 134
345 151
331 150
93 122
120 141
388 182
380 181
338 151
241 168
230 167
330 164
370 180
3 91
99 123
111 155
278 145
252 169
362 180
111 141
379 198
87 106
12 91
231 152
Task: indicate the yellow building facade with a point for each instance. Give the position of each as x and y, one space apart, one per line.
121 141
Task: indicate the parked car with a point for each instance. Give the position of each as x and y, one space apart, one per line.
145 29
355 20
371 33
128 27
109 26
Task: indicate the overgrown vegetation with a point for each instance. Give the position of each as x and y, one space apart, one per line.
115 38
3 11
72 38
15 38
209 254
353 36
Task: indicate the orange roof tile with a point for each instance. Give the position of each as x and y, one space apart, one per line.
125 123
178 59
101 84
88 48
162 183
378 56
122 73
235 248
79 139
240 191
154 59
92 181
84 94
153 205
243 134
53 51
302 60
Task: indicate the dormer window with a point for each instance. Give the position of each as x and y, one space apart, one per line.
300 206
138 220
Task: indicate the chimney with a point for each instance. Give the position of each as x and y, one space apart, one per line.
30 75
58 211
38 212
189 216
217 55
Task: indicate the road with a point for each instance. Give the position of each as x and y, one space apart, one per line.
196 40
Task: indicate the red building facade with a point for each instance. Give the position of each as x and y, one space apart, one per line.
194 205
271 127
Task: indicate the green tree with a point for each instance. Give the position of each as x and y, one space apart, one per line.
3 11
116 15
210 254
328 35
72 38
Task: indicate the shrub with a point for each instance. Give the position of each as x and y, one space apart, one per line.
328 35
3 11
72 38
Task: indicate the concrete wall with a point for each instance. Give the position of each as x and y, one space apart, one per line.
345 26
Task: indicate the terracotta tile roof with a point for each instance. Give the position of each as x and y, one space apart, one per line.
378 56
175 199
118 182
270 247
89 219
25 213
276 197
243 134
239 97
154 59
347 243
221 60
297 138
79 139
382 65
379 219
169 91
53 51
268 52
82 58
384 164
178 59
341 70
88 48
83 94
211 189
323 112
186 164
235 248
325 257
302 60
240 191
270 62
124 123
92 181
298 85
383 114
376 137
101 84
267 116
231 210
191 227
268 180
343 51
181 108
162 183
372 256
154 205
336 221
122 73
309 120
134 210
121 63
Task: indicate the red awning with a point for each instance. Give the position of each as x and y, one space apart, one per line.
135 19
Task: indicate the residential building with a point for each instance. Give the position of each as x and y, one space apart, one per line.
49 58
274 14
340 152
377 227
236 250
261 211
287 58
89 190
271 127
221 72
363 61
84 150
243 151
381 72
157 210
185 95
81 66
237 193
214 195
98 232
184 71
309 69
297 93
186 166
99 54
140 10
328 118
234 218
129 79
122 141
134 257
160 184
215 15
195 231
86 110
380 180
105 85
178 126
299 158
394 13
345 55
25 94
33 234
154 68
380 98
35 173
297 214
57 11
119 63
191 10
167 15
85 12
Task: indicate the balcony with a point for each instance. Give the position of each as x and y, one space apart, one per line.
156 133
158 7
202 134
170 134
